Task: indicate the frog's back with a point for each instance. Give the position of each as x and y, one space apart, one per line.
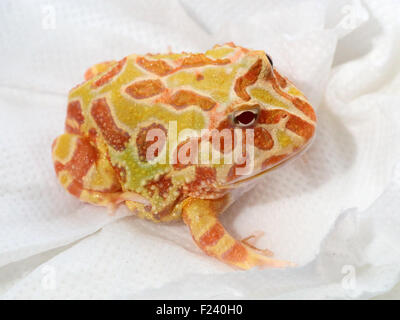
128 98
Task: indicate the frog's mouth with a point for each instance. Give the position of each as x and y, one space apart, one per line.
250 178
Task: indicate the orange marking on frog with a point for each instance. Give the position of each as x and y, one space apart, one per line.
300 127
238 54
91 72
110 74
220 144
84 157
232 171
230 44
227 142
233 45
237 253
120 173
212 235
168 208
249 78
143 143
185 98
114 136
263 139
199 60
145 89
281 80
203 184
58 166
272 116
75 188
164 97
92 135
159 67
162 185
199 75
190 155
303 106
215 117
273 160
74 113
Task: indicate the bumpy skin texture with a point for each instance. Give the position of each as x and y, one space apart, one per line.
101 157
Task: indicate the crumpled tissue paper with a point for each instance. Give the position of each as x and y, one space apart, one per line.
335 211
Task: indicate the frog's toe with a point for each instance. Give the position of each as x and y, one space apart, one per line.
260 260
248 241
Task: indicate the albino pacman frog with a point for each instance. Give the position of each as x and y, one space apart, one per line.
140 132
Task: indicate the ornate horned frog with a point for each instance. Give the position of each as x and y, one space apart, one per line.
175 136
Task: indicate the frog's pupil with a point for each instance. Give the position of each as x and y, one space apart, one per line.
245 117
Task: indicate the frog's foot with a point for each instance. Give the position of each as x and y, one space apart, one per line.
254 237
209 234
97 68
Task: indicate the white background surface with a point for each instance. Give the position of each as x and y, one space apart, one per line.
335 211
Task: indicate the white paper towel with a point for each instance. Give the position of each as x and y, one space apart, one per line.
342 54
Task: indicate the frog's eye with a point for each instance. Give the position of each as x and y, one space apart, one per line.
270 60
245 118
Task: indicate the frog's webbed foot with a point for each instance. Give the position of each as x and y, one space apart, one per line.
209 234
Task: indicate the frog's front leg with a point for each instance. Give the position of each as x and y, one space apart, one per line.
202 218
84 172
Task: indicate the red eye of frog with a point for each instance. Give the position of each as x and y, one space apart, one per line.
245 118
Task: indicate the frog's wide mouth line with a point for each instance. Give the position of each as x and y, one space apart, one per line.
253 177
262 172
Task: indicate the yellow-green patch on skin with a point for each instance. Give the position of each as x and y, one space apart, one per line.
86 93
183 175
266 97
131 114
216 82
64 147
295 92
283 139
137 173
129 74
220 52
99 176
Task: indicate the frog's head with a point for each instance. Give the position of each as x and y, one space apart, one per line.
274 118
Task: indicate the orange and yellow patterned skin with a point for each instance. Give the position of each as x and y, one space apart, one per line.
102 158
